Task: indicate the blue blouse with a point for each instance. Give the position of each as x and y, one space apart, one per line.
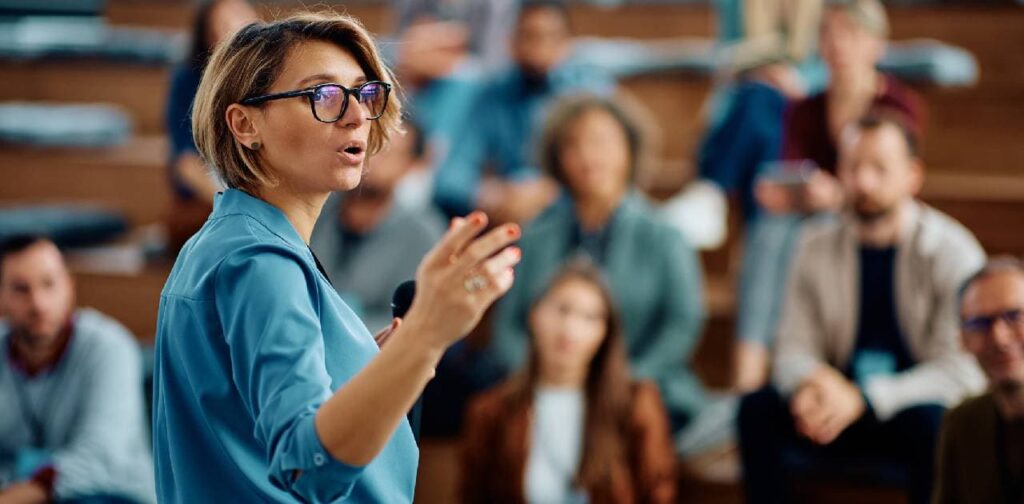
251 340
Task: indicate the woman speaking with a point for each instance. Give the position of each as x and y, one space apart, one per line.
267 386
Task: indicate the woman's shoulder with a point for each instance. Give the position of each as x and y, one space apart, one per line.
493 403
646 226
231 249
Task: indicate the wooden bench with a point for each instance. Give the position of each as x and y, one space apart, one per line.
131 178
140 89
132 299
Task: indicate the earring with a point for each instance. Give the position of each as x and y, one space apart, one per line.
256 146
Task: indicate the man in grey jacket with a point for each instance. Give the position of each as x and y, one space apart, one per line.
72 415
868 353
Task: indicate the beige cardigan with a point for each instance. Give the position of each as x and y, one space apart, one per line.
821 310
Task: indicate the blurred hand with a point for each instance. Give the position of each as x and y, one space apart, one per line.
516 202
826 405
460 278
822 192
430 50
774 197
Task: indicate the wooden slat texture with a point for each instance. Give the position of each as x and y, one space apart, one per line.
131 178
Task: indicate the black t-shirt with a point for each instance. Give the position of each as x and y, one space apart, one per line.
880 347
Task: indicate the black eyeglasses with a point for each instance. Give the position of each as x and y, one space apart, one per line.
982 325
329 101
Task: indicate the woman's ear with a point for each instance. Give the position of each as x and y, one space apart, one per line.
243 128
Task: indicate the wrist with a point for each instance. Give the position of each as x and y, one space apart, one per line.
412 339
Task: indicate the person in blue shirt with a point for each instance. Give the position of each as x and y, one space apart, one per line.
490 165
267 388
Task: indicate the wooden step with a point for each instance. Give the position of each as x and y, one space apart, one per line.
140 89
133 299
131 178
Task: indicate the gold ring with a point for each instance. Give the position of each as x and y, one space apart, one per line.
474 283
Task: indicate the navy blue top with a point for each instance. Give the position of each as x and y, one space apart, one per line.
251 340
178 121
880 347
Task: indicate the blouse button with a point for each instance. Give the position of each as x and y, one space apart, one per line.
318 459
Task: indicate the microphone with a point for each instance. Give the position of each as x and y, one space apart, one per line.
401 300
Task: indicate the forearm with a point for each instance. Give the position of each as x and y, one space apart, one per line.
356 423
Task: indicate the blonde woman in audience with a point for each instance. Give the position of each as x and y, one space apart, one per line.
592 147
267 387
570 427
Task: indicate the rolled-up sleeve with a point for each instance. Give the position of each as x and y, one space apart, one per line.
267 303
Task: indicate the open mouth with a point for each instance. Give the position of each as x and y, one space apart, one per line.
354 150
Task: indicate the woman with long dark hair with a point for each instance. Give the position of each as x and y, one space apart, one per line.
570 426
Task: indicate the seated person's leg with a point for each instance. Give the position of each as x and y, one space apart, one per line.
765 428
914 432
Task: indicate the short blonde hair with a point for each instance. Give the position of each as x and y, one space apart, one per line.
248 65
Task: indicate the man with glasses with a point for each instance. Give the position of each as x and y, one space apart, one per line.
868 355
981 453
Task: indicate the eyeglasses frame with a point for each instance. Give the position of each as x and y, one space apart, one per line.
310 92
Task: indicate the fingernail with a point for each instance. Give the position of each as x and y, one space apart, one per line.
516 252
476 218
513 231
456 221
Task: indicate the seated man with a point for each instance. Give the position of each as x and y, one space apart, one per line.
73 424
369 241
852 41
500 135
981 453
868 355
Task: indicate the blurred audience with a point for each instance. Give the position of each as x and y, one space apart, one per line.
356 234
571 426
483 23
73 427
868 354
192 182
981 452
592 148
853 35
490 165
770 49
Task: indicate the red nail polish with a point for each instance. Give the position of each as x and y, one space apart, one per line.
517 252
477 218
513 231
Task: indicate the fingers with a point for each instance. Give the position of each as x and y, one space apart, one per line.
486 246
499 270
460 233
385 334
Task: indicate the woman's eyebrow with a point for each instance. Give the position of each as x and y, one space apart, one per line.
317 77
323 77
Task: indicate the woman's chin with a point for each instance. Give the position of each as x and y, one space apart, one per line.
347 178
